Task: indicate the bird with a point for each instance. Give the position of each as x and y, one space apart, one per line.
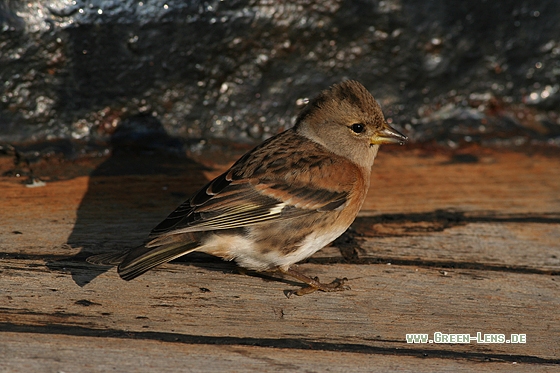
282 201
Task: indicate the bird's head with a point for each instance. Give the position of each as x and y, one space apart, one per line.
347 120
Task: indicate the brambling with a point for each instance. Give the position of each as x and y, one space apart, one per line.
282 201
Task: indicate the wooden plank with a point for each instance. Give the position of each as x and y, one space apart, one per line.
489 181
211 302
520 247
22 352
114 211
475 236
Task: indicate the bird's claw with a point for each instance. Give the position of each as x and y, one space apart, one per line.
336 285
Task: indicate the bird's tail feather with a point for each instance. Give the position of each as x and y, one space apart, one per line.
142 258
108 259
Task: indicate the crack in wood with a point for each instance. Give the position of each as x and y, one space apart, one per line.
398 225
439 264
287 343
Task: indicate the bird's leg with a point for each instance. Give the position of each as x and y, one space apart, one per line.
313 284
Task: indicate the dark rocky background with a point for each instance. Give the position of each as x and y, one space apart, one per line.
188 72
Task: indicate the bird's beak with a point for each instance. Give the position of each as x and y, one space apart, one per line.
388 135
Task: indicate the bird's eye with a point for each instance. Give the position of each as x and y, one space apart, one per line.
358 127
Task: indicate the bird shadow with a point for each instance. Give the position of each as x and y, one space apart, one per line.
125 198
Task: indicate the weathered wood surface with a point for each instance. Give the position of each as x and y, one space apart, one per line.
114 354
459 243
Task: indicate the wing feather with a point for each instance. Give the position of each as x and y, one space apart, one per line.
259 189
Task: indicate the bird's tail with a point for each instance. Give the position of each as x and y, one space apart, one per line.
142 259
134 262
108 259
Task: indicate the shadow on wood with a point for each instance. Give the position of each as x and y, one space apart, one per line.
140 147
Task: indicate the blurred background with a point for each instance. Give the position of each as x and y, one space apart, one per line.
198 73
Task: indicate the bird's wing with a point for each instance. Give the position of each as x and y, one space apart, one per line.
262 187
243 203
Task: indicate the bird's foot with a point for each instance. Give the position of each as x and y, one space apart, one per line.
313 284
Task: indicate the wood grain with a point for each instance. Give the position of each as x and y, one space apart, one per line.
472 246
213 302
23 354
